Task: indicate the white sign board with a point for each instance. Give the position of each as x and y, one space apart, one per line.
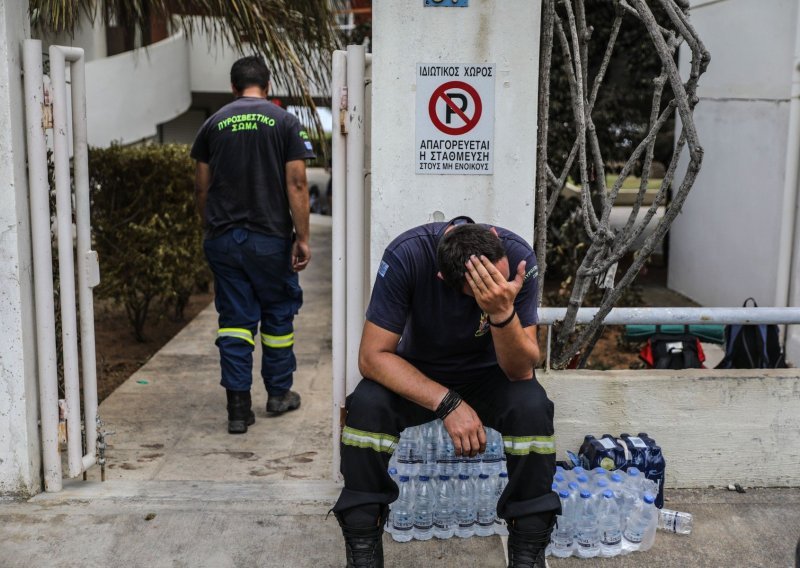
455 118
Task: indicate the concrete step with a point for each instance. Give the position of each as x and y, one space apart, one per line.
213 524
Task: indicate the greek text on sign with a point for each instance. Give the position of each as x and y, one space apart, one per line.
455 118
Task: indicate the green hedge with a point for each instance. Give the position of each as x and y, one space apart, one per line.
146 230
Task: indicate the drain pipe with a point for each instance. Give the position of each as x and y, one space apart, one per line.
338 264
356 249
786 243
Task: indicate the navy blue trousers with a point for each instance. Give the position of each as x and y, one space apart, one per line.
520 411
254 287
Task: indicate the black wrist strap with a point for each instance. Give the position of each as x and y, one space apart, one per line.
503 323
449 403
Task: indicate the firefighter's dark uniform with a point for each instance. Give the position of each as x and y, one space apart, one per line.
248 237
446 336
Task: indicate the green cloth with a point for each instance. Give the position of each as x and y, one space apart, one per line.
704 332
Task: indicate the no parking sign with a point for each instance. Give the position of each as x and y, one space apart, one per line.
455 118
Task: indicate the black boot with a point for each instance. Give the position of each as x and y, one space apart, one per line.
526 547
364 545
240 415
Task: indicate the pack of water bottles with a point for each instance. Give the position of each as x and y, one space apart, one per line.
611 497
441 494
603 513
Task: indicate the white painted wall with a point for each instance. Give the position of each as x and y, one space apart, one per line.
211 61
130 94
718 427
90 35
406 33
20 463
723 246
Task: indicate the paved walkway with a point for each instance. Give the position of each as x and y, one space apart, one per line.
180 491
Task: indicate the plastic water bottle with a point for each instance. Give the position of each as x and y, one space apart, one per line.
471 465
561 540
610 526
492 460
430 441
588 531
446 461
637 449
675 521
465 507
423 509
407 451
643 516
500 527
485 505
403 513
654 471
616 483
444 512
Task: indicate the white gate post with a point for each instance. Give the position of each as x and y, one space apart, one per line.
20 461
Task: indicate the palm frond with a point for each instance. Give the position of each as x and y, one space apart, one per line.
295 37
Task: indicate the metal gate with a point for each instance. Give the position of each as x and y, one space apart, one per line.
48 110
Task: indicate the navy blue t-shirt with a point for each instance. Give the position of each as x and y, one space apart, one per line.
247 144
443 332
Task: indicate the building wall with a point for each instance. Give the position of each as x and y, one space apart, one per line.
723 246
406 33
129 94
90 34
20 463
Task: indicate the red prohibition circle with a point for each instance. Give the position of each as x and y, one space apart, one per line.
469 122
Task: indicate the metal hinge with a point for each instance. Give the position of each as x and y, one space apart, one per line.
343 111
47 111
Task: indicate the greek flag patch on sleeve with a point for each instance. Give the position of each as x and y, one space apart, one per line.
383 269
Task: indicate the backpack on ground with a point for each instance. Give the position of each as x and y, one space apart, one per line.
670 351
752 346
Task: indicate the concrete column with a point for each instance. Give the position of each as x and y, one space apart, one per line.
20 463
504 35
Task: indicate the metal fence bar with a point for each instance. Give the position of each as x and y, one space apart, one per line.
77 461
681 316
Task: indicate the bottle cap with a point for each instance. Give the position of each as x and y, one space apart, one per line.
582 479
558 477
392 471
564 494
585 495
600 470
615 477
444 477
424 478
602 483
624 435
559 469
572 485
403 478
484 476
554 487
642 435
608 494
633 471
463 476
503 474
578 470
649 499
